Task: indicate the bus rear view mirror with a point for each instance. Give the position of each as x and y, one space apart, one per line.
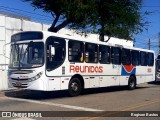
51 52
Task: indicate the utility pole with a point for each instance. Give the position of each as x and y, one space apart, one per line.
149 44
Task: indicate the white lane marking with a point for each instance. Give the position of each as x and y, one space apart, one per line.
55 104
23 119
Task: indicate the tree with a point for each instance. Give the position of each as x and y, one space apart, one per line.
114 18
118 18
65 12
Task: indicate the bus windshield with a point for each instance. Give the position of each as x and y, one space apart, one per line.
27 55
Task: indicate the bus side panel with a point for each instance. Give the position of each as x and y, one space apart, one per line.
115 75
105 81
64 82
54 83
37 85
150 74
140 74
104 78
110 75
58 83
124 80
86 82
94 81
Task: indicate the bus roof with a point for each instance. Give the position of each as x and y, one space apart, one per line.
112 42
97 42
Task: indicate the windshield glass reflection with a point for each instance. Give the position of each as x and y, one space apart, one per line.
27 55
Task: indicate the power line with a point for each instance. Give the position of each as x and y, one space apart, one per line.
27 15
33 17
10 8
46 15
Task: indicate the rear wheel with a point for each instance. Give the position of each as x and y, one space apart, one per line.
75 87
131 83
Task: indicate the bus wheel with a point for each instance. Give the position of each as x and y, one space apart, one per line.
131 83
74 87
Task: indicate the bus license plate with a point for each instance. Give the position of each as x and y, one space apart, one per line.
18 84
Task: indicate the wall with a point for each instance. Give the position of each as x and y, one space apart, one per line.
9 26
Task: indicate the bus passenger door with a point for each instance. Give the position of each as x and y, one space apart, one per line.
116 65
55 60
127 68
142 68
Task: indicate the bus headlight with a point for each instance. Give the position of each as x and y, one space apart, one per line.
36 77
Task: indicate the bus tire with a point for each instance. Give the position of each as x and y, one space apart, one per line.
75 87
131 83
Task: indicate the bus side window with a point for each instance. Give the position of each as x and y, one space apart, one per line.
150 59
143 58
126 57
104 54
116 55
135 57
91 53
76 51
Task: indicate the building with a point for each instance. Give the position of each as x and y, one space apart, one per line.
11 24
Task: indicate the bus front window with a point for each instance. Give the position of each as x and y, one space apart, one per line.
27 55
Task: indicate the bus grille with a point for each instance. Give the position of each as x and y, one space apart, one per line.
23 85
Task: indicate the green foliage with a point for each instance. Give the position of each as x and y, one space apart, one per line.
115 18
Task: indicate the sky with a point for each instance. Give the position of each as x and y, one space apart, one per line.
153 28
153 6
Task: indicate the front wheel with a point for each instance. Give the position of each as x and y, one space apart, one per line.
131 83
74 87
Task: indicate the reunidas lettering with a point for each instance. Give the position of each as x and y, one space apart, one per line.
86 69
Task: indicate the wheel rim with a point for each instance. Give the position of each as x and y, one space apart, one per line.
74 86
132 83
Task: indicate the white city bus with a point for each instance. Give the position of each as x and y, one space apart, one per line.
48 61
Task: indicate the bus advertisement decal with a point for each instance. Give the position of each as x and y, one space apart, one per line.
128 70
86 69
